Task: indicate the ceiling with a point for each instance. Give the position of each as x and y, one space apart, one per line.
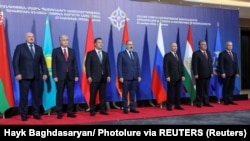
242 5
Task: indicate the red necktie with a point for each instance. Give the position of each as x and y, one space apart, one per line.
66 57
205 54
65 54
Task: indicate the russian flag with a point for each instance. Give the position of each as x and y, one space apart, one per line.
158 82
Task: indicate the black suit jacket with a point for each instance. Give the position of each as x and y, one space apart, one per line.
200 65
26 65
127 68
227 65
95 69
60 65
173 68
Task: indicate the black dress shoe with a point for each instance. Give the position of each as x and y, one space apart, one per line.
38 117
134 111
125 111
208 105
179 108
169 108
24 118
233 103
92 113
198 105
71 115
59 116
104 113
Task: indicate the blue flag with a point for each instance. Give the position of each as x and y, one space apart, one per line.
78 93
144 91
49 93
112 93
216 79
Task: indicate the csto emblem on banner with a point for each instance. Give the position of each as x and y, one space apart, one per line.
118 18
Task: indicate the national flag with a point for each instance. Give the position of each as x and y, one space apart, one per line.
49 92
89 45
144 91
158 81
112 93
6 91
183 90
216 80
189 81
125 38
78 93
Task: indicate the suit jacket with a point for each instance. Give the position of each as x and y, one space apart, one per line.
227 65
200 65
96 69
127 68
60 65
26 65
173 68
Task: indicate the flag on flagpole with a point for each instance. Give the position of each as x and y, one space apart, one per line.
158 82
49 92
6 91
216 80
78 92
189 81
112 93
144 91
183 90
89 45
125 38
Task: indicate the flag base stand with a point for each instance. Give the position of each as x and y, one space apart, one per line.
219 101
151 103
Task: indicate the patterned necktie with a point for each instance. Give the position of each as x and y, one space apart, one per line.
32 50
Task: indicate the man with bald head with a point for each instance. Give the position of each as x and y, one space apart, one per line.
29 67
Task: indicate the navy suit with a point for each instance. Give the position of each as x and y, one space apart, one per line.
173 68
129 70
203 68
65 71
31 70
230 67
98 71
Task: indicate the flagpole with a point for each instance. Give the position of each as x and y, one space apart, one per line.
218 24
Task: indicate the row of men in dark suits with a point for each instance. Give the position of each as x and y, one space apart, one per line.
29 64
202 69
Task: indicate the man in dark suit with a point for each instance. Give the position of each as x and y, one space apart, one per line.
98 74
29 64
128 67
173 71
65 74
202 70
229 69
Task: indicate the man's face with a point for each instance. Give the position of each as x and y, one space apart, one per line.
30 38
99 44
129 45
64 42
203 46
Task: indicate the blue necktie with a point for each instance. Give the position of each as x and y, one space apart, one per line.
100 55
32 50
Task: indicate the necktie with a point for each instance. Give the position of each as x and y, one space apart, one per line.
231 55
176 57
65 57
32 50
100 55
65 54
131 55
205 54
